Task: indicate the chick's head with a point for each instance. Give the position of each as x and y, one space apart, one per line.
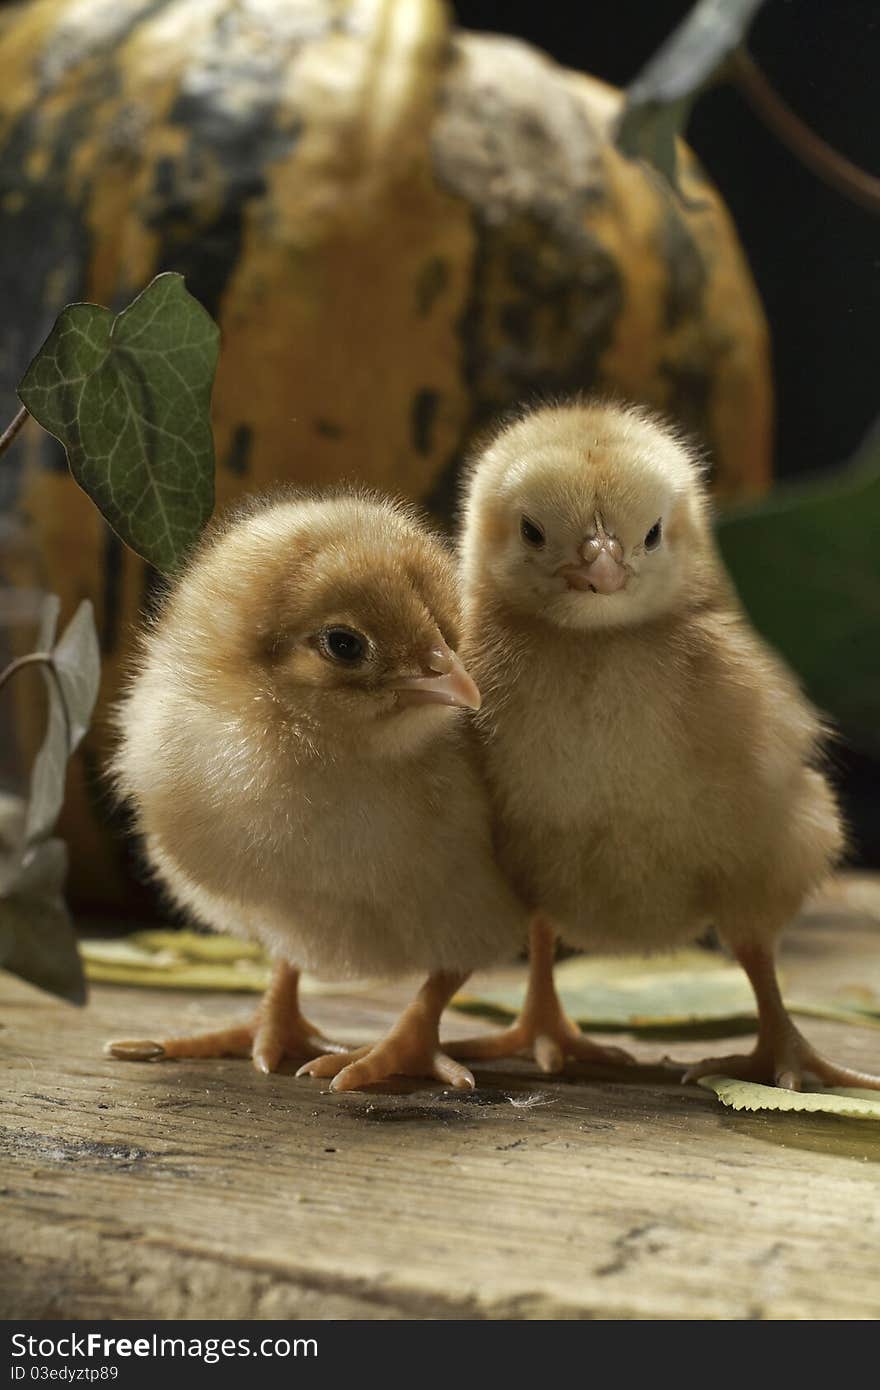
587 515
336 618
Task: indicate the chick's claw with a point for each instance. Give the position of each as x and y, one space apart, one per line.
278 1031
781 1056
227 1042
366 1065
551 1043
264 1042
543 1030
412 1048
785 1066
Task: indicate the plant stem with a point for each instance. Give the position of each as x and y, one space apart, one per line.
12 429
825 162
39 659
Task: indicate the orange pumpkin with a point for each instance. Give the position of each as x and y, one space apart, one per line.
402 229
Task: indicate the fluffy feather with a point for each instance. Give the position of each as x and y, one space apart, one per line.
304 801
654 766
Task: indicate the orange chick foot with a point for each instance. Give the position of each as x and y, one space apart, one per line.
392 1056
551 1041
543 1030
266 1045
277 1032
784 1061
412 1048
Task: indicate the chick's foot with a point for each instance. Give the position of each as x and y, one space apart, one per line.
550 1039
543 1030
277 1032
783 1061
412 1048
782 1056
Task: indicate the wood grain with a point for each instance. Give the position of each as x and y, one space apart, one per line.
202 1189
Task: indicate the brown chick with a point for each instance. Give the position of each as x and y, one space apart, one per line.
654 767
292 746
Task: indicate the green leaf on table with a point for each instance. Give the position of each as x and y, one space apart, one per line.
634 993
129 398
806 564
72 693
659 100
684 993
851 1102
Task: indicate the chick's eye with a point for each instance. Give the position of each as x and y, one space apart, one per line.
652 540
531 533
341 644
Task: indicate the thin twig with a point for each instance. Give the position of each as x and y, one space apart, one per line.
825 162
46 660
12 429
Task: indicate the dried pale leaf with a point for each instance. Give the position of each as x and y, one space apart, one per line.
50 611
77 659
165 959
71 700
156 959
126 953
835 1012
227 979
659 100
198 946
631 992
854 1104
129 398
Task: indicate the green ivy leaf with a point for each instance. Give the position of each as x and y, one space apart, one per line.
658 102
129 398
806 564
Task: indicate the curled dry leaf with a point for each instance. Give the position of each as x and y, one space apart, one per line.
37 940
659 100
168 959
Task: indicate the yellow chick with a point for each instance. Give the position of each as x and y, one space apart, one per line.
655 769
293 749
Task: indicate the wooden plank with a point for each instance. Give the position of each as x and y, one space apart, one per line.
201 1189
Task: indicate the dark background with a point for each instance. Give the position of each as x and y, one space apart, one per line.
815 256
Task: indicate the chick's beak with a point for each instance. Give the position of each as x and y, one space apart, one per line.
602 569
445 682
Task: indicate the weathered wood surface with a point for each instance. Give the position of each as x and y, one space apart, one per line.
201 1189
